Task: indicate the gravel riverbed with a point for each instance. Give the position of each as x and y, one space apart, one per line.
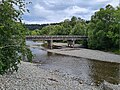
31 77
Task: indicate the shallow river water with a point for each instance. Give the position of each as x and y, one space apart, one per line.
89 71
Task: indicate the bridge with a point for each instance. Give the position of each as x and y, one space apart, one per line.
69 38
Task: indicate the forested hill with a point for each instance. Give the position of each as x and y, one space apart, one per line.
38 26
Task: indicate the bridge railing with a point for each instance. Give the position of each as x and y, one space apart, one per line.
56 37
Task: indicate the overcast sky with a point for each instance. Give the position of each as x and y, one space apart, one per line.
49 11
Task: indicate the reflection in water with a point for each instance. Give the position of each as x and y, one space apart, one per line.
89 71
101 71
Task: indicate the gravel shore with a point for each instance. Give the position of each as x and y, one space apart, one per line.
88 53
31 77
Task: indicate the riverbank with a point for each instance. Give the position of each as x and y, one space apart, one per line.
31 77
87 53
60 72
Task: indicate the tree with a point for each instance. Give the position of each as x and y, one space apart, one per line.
104 29
66 27
57 30
73 21
46 30
12 35
79 28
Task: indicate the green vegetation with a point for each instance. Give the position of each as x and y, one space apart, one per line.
103 30
38 26
75 26
12 36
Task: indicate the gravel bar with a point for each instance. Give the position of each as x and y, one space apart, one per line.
88 53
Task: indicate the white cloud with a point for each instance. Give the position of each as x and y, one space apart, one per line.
75 9
114 2
46 11
39 10
37 22
102 0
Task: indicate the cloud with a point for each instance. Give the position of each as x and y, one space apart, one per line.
102 1
47 11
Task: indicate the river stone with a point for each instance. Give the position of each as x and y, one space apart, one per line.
108 86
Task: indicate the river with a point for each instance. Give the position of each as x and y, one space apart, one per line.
91 72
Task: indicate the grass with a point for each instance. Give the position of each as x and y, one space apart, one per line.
116 51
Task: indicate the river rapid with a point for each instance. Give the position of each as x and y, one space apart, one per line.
90 72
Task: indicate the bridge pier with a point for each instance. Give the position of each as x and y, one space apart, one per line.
50 43
71 43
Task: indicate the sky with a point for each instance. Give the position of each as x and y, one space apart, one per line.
53 11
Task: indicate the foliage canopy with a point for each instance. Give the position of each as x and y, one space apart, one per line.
104 29
12 35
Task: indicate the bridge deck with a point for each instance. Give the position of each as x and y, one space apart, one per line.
56 37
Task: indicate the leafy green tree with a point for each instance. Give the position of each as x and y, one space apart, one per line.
80 28
66 27
57 30
73 21
12 35
104 29
46 30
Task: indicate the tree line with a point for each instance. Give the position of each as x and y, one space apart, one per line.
38 26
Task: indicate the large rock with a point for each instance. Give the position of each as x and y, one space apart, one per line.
108 86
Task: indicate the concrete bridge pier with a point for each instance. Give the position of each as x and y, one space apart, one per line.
50 43
71 43
43 41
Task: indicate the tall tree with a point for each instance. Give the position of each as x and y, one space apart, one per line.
12 35
104 29
73 21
